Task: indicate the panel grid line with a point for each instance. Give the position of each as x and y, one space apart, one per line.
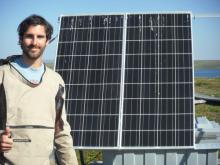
121 105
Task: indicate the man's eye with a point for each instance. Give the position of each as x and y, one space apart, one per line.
40 37
28 36
32 37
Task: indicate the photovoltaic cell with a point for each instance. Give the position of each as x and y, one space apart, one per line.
89 59
158 108
128 79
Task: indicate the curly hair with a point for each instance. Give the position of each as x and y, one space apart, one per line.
34 20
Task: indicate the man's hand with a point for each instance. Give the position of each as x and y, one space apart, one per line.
6 141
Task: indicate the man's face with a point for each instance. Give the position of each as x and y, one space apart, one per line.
34 42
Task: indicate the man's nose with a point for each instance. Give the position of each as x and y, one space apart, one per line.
34 41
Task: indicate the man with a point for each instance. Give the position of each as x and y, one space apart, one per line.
32 96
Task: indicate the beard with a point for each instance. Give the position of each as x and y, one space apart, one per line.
32 54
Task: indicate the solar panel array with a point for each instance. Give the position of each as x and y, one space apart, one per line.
128 79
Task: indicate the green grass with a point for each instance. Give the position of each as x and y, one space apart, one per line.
209 86
207 64
90 156
212 112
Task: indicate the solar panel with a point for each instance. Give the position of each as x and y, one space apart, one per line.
128 79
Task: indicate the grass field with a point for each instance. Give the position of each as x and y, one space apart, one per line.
207 64
209 86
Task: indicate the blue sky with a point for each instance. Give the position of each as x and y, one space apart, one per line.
206 33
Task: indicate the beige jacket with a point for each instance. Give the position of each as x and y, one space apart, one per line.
32 112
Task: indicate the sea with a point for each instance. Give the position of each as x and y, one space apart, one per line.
207 73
